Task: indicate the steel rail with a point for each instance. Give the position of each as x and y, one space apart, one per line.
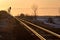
38 35
48 31
33 31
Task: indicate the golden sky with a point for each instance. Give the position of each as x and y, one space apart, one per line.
45 7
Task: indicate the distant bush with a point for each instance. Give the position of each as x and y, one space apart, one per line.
50 20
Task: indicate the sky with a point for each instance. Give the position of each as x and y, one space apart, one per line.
45 7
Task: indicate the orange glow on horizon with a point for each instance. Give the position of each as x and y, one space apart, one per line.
25 6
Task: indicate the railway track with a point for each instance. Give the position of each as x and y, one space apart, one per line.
33 34
46 34
33 31
12 29
27 31
41 33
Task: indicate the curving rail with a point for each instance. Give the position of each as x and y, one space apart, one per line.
38 35
33 31
48 31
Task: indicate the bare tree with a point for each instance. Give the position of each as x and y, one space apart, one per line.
34 8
